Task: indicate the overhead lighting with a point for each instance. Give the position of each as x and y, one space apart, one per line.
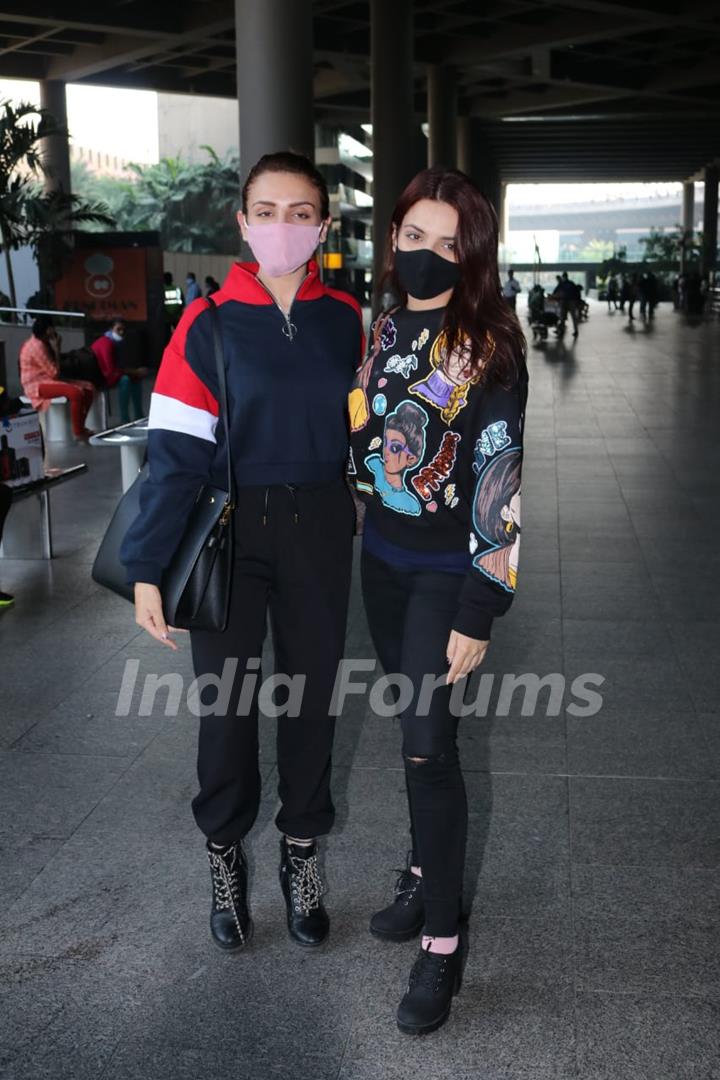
549 119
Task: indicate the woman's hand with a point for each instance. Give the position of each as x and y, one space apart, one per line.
149 613
464 654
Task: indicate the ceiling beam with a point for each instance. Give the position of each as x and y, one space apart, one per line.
146 28
695 13
706 73
520 102
126 49
557 32
570 30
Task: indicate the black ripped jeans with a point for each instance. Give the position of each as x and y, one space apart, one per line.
410 615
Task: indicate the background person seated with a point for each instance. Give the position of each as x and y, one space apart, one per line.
127 380
42 379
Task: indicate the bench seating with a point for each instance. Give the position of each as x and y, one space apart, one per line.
56 420
28 529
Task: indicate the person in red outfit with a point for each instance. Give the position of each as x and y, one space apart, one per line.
127 380
42 379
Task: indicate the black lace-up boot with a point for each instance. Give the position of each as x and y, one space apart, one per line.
404 918
302 888
230 923
433 981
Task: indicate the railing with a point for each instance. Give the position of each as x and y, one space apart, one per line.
43 311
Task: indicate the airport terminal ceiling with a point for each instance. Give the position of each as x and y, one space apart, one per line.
587 90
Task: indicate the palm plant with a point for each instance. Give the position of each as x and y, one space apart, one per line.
677 246
99 188
22 127
49 218
28 214
191 205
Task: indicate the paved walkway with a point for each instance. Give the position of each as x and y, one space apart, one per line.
595 842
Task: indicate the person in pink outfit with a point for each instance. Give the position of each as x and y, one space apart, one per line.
42 379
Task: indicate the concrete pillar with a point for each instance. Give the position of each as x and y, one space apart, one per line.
475 159
419 148
487 178
464 155
274 78
688 222
442 115
57 147
710 220
392 112
688 206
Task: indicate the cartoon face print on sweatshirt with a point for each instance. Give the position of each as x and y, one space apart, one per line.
449 383
496 515
403 448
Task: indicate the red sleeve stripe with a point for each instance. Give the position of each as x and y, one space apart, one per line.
169 414
176 379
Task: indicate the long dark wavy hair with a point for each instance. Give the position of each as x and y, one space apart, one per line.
477 307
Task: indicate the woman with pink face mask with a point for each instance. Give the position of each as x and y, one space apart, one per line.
291 349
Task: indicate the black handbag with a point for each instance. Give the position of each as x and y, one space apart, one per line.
195 587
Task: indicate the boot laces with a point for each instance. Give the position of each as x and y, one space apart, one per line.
406 885
225 870
306 884
428 970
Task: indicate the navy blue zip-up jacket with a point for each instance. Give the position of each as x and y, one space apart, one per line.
287 380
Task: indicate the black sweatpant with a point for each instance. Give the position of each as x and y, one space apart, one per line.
410 615
293 557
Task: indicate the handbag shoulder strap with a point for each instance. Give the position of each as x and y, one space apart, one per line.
222 388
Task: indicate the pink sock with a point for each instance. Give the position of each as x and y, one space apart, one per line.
416 870
443 945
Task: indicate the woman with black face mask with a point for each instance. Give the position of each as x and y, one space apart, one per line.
437 417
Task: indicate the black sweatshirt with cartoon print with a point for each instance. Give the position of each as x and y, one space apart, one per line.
436 457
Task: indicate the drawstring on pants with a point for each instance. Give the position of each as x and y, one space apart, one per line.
293 491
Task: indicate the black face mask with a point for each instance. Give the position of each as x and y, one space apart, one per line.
424 274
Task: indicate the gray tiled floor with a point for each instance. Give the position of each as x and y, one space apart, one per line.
594 860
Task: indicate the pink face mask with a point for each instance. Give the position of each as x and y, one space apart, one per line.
281 248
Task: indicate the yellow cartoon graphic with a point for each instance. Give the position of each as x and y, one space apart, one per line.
448 385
